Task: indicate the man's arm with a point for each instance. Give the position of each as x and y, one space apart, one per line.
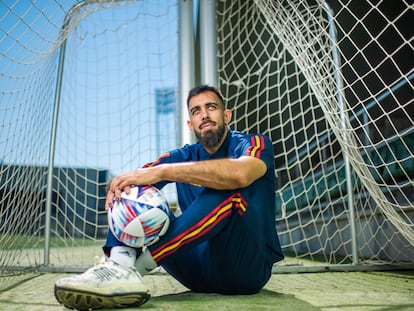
220 174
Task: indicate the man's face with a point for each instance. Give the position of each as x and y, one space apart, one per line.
208 120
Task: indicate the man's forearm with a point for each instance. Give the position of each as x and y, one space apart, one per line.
221 174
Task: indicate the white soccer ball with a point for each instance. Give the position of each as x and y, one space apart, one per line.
139 218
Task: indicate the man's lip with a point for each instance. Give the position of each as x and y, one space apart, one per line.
207 124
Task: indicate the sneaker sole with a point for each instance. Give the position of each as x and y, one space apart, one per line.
87 301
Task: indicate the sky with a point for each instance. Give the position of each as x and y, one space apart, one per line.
116 59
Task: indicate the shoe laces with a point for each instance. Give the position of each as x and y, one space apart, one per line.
104 273
106 270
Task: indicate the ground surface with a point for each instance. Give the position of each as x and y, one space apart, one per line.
303 291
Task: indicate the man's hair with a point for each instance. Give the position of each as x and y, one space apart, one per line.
202 89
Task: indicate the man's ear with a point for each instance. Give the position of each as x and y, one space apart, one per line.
190 125
227 116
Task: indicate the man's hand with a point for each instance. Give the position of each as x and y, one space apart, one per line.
124 182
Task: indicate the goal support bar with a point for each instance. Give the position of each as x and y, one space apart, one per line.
339 84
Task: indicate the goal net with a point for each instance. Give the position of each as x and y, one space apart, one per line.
91 84
88 89
331 82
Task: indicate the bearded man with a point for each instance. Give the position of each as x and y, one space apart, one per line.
224 241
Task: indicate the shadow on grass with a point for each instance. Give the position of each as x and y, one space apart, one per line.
9 282
264 300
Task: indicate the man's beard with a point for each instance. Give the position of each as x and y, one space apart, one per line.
211 138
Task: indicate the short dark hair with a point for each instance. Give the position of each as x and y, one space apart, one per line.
202 89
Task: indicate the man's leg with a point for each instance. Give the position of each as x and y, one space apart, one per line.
201 221
190 267
215 246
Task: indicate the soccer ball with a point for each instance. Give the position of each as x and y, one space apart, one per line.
139 218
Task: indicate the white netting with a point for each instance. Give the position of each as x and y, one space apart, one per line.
329 82
120 65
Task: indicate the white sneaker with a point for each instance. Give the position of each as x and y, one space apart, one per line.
106 285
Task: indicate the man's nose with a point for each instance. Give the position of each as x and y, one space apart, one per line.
204 114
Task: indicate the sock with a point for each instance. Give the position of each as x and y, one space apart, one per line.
145 263
123 255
